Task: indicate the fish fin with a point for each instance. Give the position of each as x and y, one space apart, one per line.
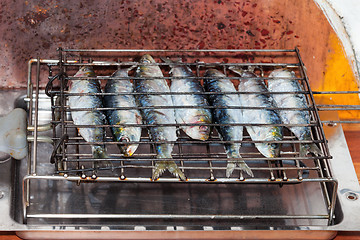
172 63
309 148
138 118
161 166
243 167
231 165
236 69
99 152
166 59
131 68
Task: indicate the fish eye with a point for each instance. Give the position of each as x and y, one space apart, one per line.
203 128
124 139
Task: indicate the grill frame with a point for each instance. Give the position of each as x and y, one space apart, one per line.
324 178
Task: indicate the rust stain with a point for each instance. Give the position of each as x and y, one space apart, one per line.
37 28
33 18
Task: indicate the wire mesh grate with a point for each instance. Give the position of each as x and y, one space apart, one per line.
201 161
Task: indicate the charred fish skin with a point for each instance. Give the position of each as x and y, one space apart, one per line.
226 116
285 82
260 116
157 116
88 117
185 82
122 116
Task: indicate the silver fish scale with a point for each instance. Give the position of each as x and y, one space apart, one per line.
121 116
157 116
263 116
113 101
290 101
87 117
192 115
258 100
224 115
227 116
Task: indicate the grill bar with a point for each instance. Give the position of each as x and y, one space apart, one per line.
172 216
174 180
177 50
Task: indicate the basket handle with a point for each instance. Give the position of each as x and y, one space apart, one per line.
13 134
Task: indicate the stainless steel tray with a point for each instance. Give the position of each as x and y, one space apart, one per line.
116 208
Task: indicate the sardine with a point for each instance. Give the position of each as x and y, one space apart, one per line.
186 82
284 83
154 115
121 116
260 116
88 117
227 116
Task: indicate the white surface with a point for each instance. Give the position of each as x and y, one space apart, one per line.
344 17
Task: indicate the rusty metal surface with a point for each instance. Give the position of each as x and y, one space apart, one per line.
37 28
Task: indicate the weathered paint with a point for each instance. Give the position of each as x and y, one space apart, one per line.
37 28
339 77
337 24
348 15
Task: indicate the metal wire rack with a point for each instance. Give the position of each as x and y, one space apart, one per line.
201 161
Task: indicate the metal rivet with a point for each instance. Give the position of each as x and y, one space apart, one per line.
352 196
331 124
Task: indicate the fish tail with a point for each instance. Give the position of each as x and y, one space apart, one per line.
309 148
100 152
171 62
161 166
231 165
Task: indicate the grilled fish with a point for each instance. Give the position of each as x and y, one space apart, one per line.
88 117
121 116
260 116
284 83
157 116
226 116
187 83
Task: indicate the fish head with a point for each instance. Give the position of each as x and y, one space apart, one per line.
269 150
272 150
201 131
128 149
85 71
198 132
126 135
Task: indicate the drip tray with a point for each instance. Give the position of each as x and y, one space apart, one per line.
203 211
